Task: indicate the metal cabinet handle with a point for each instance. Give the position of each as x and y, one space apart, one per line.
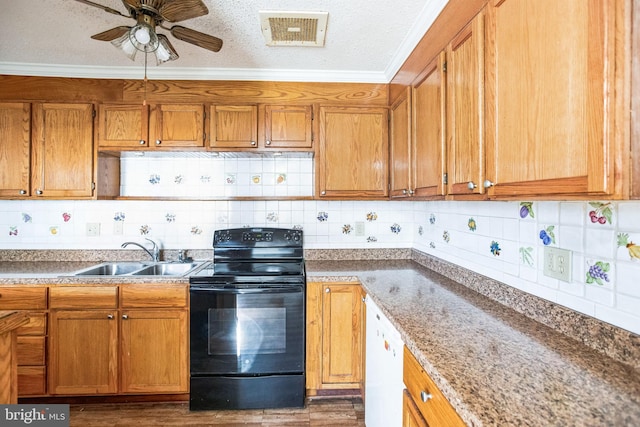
158 142
488 183
267 143
327 290
109 316
424 396
253 143
142 142
323 193
125 317
39 192
411 192
471 185
404 191
23 192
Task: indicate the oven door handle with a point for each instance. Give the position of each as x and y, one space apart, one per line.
269 290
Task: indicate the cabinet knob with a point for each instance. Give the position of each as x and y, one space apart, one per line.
253 143
411 192
424 396
323 193
109 316
125 317
23 192
327 290
142 142
158 142
487 183
39 192
404 191
267 143
471 185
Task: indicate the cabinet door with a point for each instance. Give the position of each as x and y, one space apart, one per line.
429 133
341 334
83 352
550 103
15 149
62 149
411 416
400 162
234 126
154 351
177 125
288 126
123 126
465 110
353 156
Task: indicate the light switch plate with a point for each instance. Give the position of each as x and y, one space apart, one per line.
557 263
93 229
359 228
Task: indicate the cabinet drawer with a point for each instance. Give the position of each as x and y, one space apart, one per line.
31 380
436 410
83 297
31 351
150 296
37 325
23 298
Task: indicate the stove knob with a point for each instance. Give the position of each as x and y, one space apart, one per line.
296 237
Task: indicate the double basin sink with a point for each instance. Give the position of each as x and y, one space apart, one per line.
138 268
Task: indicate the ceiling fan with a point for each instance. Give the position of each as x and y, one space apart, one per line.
149 14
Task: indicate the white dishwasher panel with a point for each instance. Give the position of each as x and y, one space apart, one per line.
383 370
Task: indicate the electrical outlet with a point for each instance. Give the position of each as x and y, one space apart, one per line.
118 228
557 263
359 228
93 229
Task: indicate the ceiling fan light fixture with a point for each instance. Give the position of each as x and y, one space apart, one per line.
144 38
125 45
165 52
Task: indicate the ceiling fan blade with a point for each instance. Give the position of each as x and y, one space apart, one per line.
105 8
176 11
197 38
112 34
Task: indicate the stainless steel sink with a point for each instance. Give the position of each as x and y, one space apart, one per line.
135 268
112 269
166 269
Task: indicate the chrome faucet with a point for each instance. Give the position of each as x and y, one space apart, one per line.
154 253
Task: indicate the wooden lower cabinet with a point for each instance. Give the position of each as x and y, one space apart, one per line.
154 351
127 339
31 337
335 336
423 403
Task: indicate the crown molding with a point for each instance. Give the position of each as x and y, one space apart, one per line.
183 73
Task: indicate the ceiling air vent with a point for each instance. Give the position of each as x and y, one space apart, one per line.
293 28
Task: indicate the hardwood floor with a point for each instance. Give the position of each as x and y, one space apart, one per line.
334 411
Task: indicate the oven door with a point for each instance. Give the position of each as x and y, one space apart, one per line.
247 330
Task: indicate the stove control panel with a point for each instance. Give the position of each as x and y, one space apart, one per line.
257 238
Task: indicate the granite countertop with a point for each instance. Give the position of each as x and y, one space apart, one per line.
496 366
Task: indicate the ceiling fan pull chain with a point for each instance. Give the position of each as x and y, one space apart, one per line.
144 101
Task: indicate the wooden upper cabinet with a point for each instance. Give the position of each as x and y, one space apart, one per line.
62 150
551 87
177 125
15 149
233 126
465 110
400 153
157 126
288 126
353 154
123 126
429 132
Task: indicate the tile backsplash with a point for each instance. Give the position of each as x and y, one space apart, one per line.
501 240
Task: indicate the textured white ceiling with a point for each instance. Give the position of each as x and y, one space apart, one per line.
366 41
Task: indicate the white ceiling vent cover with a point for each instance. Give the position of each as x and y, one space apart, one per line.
293 28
